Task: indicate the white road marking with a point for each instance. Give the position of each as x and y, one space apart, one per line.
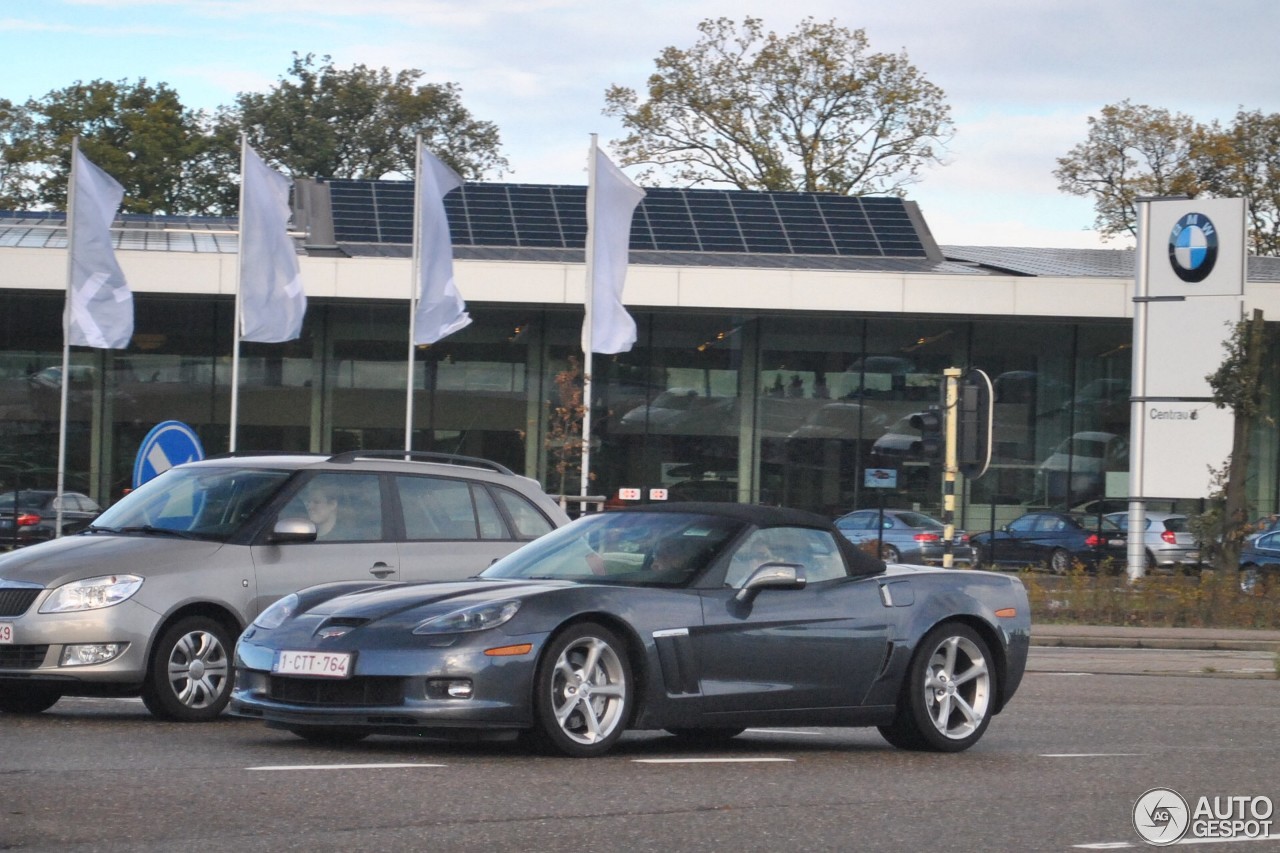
339 766
1122 845
710 760
786 732
1091 754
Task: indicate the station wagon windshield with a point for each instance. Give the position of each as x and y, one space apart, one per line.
205 503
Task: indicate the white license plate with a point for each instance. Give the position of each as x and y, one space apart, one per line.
6 633
320 664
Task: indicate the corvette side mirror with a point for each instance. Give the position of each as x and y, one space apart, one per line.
771 576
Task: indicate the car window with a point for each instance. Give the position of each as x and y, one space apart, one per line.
436 508
918 520
856 521
814 551
206 501
344 507
529 521
487 516
1023 525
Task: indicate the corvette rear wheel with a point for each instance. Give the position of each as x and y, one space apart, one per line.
189 679
583 692
947 700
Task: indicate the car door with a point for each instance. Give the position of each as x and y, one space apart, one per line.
818 646
454 528
359 546
1019 543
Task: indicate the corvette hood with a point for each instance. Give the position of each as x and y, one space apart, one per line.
415 602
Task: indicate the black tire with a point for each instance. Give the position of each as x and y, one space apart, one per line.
191 672
325 736
583 692
719 734
890 554
1059 562
976 559
28 698
949 693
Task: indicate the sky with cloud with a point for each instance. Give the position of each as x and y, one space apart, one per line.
1021 77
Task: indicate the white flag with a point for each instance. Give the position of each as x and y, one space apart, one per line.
610 328
441 311
99 303
272 302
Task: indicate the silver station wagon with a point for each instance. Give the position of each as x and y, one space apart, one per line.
149 599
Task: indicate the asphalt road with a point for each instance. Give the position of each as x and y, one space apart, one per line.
1088 734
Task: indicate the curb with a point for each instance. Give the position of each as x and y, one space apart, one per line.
1189 643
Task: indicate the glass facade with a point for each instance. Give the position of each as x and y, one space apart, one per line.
788 408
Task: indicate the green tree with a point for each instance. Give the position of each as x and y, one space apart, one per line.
322 121
1237 384
814 110
1131 151
17 181
1244 162
140 134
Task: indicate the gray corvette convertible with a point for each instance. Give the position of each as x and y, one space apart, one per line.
700 619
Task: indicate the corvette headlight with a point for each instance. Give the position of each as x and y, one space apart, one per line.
274 616
91 593
478 617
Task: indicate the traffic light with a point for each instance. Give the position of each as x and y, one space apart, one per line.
932 442
973 429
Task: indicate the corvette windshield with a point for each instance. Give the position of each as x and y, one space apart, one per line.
648 549
205 503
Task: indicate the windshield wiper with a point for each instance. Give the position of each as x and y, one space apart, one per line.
153 531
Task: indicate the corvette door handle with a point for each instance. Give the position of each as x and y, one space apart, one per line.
381 570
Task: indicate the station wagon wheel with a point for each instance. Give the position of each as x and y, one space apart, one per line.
28 698
583 692
890 554
190 676
1059 562
947 698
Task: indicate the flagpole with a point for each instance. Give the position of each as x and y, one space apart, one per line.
235 338
587 300
66 338
415 278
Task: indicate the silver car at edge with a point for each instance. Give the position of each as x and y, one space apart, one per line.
150 598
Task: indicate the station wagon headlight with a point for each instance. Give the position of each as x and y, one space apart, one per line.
478 617
273 617
91 593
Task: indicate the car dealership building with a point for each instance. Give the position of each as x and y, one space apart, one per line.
784 339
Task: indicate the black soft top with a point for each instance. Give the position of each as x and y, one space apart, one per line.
859 562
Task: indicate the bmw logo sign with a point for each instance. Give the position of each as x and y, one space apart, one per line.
1193 247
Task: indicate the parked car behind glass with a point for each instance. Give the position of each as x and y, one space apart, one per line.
906 536
150 597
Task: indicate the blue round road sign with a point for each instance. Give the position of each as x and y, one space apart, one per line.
168 444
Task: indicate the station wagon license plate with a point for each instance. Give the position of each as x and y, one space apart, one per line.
322 664
6 633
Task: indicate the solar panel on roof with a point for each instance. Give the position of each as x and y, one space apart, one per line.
667 219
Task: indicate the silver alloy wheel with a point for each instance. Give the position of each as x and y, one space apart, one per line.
198 668
1059 562
588 690
957 687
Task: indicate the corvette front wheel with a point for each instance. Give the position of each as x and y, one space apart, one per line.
583 692
947 700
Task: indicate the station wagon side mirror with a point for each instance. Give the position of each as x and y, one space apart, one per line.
293 530
771 576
